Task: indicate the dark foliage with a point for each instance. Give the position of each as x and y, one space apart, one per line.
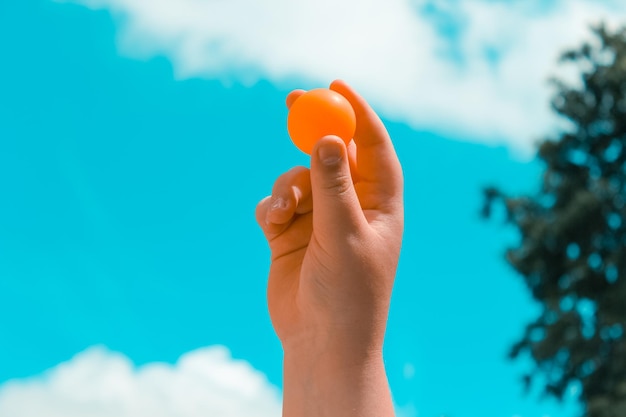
572 252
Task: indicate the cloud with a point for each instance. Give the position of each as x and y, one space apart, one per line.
101 383
472 70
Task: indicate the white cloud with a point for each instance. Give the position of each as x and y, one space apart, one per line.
100 383
487 83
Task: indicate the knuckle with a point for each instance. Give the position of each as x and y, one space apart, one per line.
337 186
261 208
287 179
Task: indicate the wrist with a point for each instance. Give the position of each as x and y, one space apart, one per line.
358 337
335 379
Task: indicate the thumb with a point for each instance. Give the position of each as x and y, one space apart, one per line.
336 207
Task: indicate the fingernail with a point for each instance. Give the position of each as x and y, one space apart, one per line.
278 203
330 154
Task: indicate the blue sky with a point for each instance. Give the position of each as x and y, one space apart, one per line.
129 173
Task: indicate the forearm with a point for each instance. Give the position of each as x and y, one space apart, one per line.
335 383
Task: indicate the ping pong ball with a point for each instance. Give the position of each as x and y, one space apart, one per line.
318 113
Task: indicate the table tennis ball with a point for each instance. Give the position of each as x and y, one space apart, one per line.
318 113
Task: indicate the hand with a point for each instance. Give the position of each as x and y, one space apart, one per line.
335 233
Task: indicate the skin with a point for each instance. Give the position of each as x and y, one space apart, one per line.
335 233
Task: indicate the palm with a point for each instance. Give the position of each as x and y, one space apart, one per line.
291 247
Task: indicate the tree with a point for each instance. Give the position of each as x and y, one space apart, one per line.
572 248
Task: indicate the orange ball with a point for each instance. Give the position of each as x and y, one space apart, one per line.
318 113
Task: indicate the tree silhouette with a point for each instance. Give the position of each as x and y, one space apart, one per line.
572 248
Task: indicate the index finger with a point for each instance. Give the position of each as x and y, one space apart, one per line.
293 96
379 167
352 152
